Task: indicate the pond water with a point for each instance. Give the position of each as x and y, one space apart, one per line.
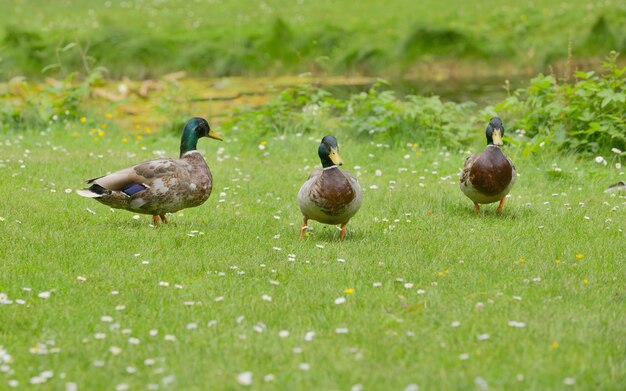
483 91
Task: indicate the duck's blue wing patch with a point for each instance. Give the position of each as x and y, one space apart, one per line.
133 188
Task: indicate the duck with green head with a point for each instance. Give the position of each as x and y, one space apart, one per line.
489 176
160 186
330 195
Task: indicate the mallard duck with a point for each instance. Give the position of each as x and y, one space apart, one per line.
160 186
489 176
330 195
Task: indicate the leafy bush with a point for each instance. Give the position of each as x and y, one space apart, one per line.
374 114
588 115
426 120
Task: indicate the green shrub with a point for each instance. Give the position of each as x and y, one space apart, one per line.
375 114
588 115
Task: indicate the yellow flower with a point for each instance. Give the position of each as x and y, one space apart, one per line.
139 137
137 126
348 291
93 131
554 345
101 133
147 129
83 120
557 261
522 260
585 281
263 142
103 126
124 140
109 115
579 256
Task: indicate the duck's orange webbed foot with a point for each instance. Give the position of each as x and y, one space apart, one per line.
304 227
164 219
155 220
342 235
501 206
477 208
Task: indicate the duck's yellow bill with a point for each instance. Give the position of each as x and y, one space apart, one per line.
497 137
214 135
335 158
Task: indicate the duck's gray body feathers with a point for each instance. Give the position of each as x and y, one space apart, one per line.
155 186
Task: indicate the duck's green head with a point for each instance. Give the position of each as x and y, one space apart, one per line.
494 132
329 152
195 129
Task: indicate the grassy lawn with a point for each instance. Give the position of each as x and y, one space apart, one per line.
144 39
434 295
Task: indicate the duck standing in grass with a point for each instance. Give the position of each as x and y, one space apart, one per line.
330 195
160 186
489 176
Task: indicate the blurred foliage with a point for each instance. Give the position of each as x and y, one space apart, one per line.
147 39
584 115
376 114
587 115
29 106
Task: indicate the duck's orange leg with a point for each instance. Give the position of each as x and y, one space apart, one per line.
342 235
477 208
304 227
155 220
501 206
164 219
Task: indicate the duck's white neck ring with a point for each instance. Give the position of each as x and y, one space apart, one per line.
329 168
190 152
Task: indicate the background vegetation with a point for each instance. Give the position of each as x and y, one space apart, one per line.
142 39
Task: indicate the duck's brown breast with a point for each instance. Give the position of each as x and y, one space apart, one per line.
491 173
333 192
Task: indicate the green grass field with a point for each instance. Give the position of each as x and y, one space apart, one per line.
434 295
396 38
423 294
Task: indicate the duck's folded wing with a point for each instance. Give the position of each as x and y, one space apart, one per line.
315 174
351 178
511 163
467 167
513 171
137 178
357 189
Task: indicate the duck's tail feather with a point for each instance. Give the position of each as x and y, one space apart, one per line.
94 191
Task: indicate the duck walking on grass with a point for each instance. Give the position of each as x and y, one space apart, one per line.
330 195
160 186
489 176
